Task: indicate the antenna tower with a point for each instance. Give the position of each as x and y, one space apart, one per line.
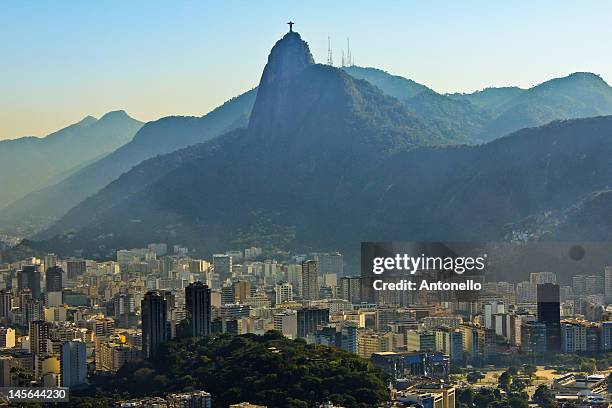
330 56
348 52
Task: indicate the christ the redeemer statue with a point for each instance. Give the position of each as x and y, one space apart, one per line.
291 23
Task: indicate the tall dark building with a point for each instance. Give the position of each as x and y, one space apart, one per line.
39 336
310 320
6 303
53 279
9 278
75 267
197 304
549 314
154 323
29 278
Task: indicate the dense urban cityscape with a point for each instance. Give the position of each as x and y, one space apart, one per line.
66 321
430 229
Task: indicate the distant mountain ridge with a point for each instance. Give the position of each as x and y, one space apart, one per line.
575 96
42 207
328 161
27 164
485 115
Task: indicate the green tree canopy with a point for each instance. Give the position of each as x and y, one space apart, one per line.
268 370
544 397
504 381
474 376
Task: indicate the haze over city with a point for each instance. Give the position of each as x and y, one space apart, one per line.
65 61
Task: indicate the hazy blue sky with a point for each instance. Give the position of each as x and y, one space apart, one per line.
63 60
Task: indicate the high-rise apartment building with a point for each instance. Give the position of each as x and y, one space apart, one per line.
53 279
579 284
283 292
39 337
350 288
310 284
573 338
75 267
241 291
198 307
154 323
286 323
533 337
6 303
29 278
111 356
593 284
450 342
123 304
50 261
549 313
73 364
310 320
222 264
331 263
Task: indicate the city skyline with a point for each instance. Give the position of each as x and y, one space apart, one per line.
134 57
264 216
189 303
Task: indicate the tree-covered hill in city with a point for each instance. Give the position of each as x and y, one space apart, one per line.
30 163
44 206
268 370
